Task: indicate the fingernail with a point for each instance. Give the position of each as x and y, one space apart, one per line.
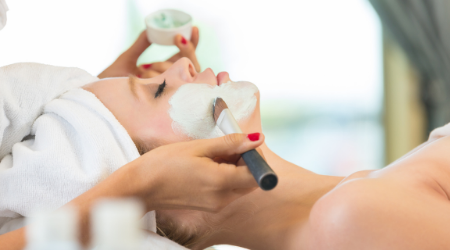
253 137
146 66
183 40
139 76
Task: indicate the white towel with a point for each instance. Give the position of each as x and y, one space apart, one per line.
439 132
78 142
75 142
153 241
3 10
24 90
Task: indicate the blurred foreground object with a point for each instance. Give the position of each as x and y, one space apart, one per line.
53 231
116 224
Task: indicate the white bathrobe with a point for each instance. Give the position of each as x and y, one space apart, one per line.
72 142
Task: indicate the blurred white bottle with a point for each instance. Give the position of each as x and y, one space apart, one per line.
116 225
53 231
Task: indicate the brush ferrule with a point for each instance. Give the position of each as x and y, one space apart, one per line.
227 123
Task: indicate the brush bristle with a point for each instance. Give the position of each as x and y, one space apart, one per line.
219 106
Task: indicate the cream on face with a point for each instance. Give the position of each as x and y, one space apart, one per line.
191 107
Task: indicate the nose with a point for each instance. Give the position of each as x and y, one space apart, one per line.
184 69
207 76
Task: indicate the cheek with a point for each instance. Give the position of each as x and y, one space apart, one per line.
162 126
159 128
252 124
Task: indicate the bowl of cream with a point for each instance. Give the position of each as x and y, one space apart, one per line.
164 25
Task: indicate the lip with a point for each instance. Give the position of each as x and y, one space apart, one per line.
220 77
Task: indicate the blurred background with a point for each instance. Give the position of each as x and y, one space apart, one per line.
340 92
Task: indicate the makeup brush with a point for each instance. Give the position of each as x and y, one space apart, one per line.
261 171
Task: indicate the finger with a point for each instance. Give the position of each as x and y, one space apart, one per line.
229 178
149 74
187 49
174 58
244 191
241 178
194 40
157 66
225 146
195 35
239 161
138 47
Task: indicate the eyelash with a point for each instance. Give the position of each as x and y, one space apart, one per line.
160 89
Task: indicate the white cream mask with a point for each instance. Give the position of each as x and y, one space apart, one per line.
191 107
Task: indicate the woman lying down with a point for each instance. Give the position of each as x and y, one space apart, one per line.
403 206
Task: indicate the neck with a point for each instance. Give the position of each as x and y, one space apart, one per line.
267 219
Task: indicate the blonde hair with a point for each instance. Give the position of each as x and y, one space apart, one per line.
167 228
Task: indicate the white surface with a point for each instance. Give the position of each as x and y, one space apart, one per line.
226 247
155 242
165 36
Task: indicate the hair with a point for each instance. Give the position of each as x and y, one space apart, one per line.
182 235
188 228
142 147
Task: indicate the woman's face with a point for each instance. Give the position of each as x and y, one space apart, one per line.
142 105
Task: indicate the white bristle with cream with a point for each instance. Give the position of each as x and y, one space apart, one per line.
223 117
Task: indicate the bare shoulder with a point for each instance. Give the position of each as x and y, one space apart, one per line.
404 206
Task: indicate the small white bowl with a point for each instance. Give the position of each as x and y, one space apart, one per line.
165 36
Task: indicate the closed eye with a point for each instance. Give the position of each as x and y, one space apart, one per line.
160 89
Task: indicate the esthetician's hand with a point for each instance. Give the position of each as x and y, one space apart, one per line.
185 175
125 64
189 175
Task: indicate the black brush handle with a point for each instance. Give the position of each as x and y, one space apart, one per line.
264 175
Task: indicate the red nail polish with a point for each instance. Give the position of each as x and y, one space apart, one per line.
253 137
183 40
146 66
139 76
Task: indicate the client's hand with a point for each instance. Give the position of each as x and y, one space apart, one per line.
126 63
189 175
